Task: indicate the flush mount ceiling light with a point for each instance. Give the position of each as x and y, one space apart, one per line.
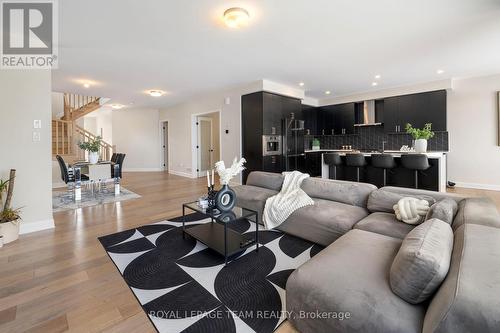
117 106
86 85
440 71
236 17
301 84
156 93
328 92
377 76
374 84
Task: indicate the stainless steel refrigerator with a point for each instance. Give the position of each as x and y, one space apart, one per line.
293 144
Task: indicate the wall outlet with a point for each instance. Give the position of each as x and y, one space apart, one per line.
37 123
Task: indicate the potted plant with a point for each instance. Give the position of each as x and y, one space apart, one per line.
420 136
9 217
315 144
92 146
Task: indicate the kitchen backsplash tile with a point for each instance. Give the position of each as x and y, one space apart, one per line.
371 137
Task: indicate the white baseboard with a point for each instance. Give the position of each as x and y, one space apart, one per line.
28 227
180 173
490 187
142 169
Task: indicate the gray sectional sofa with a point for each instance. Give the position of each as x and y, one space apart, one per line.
361 235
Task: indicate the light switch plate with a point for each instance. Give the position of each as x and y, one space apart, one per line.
37 123
36 136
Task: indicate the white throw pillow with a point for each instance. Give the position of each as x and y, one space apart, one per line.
411 210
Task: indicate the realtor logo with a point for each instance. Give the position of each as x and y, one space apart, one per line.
29 34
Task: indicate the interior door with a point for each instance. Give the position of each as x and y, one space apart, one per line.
165 146
204 145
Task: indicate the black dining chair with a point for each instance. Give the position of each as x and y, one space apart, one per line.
67 175
114 157
119 160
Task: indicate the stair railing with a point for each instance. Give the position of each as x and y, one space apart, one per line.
62 137
106 150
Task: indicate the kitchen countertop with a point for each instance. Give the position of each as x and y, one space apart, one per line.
396 153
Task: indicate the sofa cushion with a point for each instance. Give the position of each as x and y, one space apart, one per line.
444 210
384 224
384 201
351 275
253 197
468 301
416 192
477 211
269 180
351 193
422 261
323 222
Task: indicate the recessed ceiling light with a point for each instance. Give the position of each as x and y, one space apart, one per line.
156 93
86 85
117 106
440 71
377 76
328 92
236 17
374 84
301 84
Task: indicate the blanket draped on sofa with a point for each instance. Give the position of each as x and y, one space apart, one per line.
291 197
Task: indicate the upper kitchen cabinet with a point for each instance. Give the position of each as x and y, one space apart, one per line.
274 109
416 109
310 116
342 118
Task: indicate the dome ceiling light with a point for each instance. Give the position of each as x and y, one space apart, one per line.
236 17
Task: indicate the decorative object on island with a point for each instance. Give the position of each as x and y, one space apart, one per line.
420 136
315 144
92 146
226 198
9 217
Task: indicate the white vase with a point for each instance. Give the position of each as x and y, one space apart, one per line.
93 157
421 145
9 231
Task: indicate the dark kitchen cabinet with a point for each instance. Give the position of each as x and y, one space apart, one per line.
310 116
341 118
273 164
262 113
272 105
416 109
313 164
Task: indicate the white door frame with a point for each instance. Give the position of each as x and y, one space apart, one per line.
194 140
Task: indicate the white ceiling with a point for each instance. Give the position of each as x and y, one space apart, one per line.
126 47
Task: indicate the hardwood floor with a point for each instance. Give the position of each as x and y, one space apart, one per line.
62 279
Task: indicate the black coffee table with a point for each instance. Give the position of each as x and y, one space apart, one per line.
216 234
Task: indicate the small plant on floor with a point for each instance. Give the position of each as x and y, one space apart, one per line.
9 217
91 145
425 133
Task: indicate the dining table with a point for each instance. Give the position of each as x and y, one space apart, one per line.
95 172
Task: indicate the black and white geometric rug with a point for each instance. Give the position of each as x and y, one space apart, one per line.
183 286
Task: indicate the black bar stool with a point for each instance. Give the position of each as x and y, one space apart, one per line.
333 160
383 161
416 162
355 160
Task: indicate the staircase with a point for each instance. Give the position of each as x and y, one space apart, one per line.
66 134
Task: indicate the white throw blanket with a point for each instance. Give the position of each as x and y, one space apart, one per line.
291 197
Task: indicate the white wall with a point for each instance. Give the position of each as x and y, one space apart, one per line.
57 105
25 95
99 121
474 159
136 132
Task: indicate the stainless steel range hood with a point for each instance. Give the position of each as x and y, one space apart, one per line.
368 114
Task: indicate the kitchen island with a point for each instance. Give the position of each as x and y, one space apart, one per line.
433 179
